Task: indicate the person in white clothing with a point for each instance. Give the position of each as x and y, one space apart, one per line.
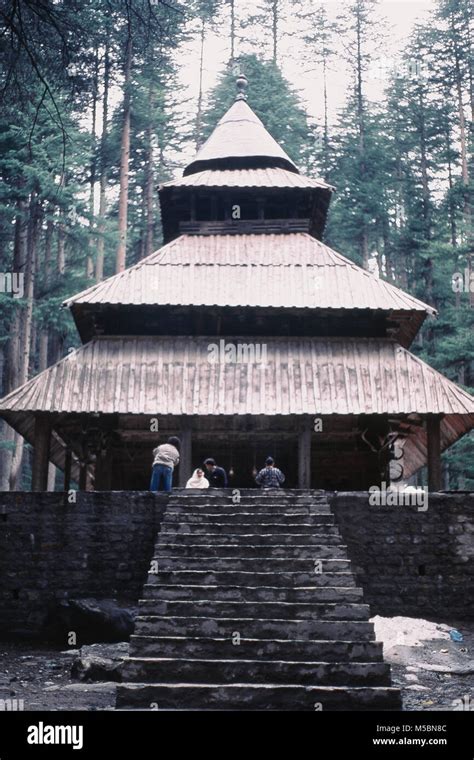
197 480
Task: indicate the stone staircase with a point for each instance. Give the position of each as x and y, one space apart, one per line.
253 606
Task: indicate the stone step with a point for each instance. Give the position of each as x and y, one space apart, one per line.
315 565
330 537
251 493
243 593
252 578
281 628
265 510
215 528
163 696
190 670
246 518
255 649
259 610
238 496
245 551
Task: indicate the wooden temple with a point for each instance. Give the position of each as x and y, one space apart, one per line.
246 336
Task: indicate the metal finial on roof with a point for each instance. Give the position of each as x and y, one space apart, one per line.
241 83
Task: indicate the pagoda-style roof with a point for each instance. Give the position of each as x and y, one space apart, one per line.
241 165
240 141
247 178
279 271
304 376
334 336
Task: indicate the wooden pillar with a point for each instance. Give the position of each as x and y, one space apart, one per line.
89 479
83 477
51 477
185 457
213 208
304 459
433 436
39 481
227 207
103 470
67 469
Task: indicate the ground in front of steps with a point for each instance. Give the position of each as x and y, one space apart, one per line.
41 675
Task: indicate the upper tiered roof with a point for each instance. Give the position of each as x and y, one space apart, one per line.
247 178
267 261
240 141
239 159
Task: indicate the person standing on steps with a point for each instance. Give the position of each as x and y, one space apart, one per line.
166 457
216 476
270 476
198 480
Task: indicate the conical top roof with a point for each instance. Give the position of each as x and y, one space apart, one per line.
240 141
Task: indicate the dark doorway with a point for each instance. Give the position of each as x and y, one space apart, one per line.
132 465
241 459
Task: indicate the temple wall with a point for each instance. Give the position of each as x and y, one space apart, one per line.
409 562
99 547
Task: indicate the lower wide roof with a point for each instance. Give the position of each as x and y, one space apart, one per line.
300 376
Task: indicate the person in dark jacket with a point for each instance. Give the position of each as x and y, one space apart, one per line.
270 476
216 476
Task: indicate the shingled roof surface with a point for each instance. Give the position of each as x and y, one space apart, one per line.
138 375
264 177
240 137
279 270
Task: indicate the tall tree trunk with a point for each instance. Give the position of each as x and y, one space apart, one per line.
12 365
426 200
150 178
55 356
386 247
124 160
20 254
61 253
44 331
451 204
143 222
400 263
326 123
43 349
99 269
232 30
14 375
275 31
199 102
48 249
6 432
363 237
462 135
93 168
26 329
471 279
